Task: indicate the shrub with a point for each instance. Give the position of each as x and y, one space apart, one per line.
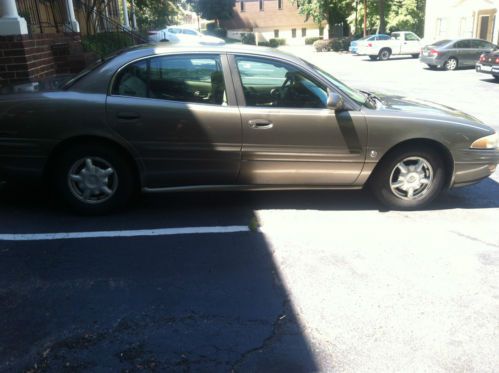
312 40
105 43
248 38
264 44
280 41
335 44
274 43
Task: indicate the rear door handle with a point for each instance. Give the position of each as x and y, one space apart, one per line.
128 115
260 124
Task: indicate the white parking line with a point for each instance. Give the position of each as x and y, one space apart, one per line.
129 233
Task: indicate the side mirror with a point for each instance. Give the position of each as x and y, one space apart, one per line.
334 101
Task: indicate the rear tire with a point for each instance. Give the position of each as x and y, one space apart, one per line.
412 188
451 64
93 179
384 54
496 77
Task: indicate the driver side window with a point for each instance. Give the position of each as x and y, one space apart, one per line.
268 83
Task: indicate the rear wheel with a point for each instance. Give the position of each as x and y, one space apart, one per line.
93 179
451 64
384 54
409 178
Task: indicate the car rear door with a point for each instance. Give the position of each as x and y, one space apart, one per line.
180 114
290 137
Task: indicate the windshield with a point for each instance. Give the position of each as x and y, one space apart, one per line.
354 94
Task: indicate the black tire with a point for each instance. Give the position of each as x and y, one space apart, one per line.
122 177
380 183
451 64
415 55
496 77
373 58
384 54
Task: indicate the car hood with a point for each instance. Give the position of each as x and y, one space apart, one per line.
417 107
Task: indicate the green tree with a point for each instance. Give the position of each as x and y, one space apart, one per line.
334 12
407 15
154 14
214 9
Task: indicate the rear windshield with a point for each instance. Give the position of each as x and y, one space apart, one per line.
441 42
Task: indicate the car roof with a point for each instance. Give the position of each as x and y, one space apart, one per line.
146 50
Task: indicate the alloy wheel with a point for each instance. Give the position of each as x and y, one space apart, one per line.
411 179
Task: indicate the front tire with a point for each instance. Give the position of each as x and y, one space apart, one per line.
93 179
409 179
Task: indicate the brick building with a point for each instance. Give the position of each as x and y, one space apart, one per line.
40 39
271 19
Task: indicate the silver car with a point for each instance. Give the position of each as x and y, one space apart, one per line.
451 54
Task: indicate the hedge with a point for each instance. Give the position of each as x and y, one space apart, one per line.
335 44
312 40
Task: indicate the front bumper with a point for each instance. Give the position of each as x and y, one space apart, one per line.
494 70
473 165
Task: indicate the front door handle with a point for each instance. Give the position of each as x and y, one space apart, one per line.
260 124
127 115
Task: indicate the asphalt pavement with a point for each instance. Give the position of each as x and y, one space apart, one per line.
312 281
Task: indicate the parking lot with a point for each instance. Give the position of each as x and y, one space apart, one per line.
262 281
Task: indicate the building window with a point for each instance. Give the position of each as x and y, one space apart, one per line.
242 6
261 5
321 31
276 34
293 33
279 4
303 32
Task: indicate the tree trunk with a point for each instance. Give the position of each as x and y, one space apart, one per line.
382 21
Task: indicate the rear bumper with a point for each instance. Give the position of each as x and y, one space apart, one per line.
432 61
494 70
479 165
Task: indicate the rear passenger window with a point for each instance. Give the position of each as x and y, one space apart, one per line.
463 44
197 79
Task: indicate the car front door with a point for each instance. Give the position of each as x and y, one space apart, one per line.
180 114
290 137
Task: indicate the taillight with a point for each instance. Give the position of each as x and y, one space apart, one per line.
434 52
497 60
482 58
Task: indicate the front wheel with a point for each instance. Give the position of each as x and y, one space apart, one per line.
409 179
93 179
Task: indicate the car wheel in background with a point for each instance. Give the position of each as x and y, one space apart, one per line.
409 178
93 179
384 54
451 64
373 58
496 77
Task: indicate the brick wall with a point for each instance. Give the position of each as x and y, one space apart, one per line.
25 58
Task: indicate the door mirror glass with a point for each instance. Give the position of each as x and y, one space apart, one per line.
335 101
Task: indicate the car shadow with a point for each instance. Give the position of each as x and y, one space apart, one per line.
491 81
390 59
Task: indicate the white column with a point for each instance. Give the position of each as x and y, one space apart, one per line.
72 23
10 22
134 18
126 22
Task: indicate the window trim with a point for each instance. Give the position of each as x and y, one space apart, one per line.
311 75
225 69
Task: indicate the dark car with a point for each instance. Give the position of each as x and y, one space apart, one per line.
489 64
188 118
451 54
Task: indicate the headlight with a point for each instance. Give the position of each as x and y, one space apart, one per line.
487 142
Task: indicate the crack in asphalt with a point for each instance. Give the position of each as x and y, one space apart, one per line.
277 327
471 238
